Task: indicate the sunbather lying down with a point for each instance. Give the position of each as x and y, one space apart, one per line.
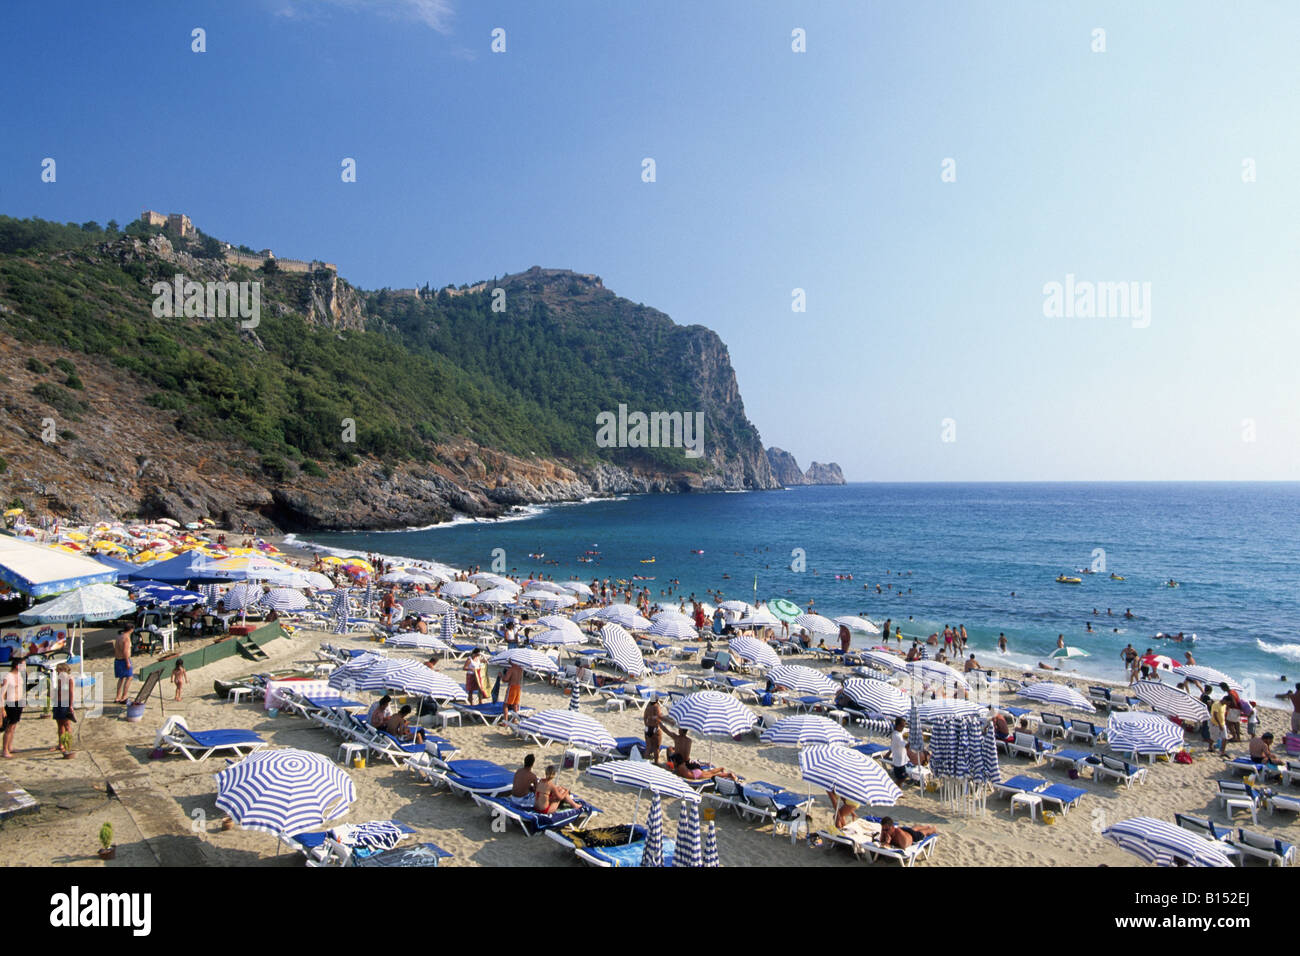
690 770
902 837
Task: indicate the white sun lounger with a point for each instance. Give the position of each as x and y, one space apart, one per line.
200 745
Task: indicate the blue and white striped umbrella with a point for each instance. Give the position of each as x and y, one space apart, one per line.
423 642
622 649
284 791
1062 695
1170 701
804 729
345 676
688 851
158 594
937 709
803 680
495 596
674 630
341 611
570 727
755 651
1143 733
526 658
425 605
575 702
653 854
448 630
558 622
377 835
370 595
816 624
209 592
1165 844
284 600
384 673
849 773
557 637
1208 675
554 601
914 736
712 712
877 697
459 589
935 673
418 679
644 775
885 662
711 844
242 596
626 615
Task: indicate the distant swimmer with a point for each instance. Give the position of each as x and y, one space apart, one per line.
1128 613
1002 643
1087 626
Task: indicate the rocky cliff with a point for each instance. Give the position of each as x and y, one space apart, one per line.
107 411
785 469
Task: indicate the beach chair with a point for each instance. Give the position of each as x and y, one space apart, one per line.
469 777
1049 725
530 821
1245 766
872 750
920 850
1279 801
1112 768
1290 773
1234 796
1074 760
1021 783
490 713
1028 745
773 803
422 854
1064 797
1100 697
1260 847
1086 731
1203 826
727 793
198 746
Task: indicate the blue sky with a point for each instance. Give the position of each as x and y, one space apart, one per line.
775 170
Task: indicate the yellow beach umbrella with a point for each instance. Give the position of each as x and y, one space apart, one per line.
331 559
12 512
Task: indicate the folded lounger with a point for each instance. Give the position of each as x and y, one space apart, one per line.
1124 772
532 822
198 745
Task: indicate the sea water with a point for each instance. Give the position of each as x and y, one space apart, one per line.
983 555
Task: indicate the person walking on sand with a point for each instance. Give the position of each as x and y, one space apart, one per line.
12 694
845 639
475 679
122 664
179 678
514 688
61 708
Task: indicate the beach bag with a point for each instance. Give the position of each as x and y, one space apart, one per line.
1292 744
1182 757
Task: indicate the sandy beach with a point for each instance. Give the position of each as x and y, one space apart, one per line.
163 810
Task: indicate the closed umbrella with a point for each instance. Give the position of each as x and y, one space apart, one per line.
688 851
653 855
710 848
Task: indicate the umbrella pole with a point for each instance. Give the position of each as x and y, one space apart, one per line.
636 815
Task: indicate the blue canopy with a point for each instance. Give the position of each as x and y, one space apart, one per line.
190 566
41 572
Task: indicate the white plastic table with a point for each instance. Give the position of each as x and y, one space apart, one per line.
1033 801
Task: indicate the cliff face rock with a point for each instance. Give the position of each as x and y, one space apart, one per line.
787 471
784 467
828 474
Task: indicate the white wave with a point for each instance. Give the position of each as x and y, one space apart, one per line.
1290 651
402 559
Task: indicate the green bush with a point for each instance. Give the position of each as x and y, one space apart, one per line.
64 366
36 365
66 405
4 465
73 381
276 467
310 467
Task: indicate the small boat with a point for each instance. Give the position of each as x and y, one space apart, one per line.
1062 579
697 550
647 560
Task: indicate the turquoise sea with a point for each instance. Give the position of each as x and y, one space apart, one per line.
946 554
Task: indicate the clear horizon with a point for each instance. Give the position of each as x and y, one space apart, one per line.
1163 161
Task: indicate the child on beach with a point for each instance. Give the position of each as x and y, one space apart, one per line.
179 678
